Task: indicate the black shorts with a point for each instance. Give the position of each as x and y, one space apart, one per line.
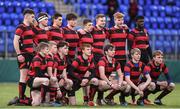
28 59
30 82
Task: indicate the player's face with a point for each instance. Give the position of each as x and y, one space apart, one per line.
73 22
140 23
45 22
136 56
45 50
31 18
158 59
119 21
59 21
101 22
87 51
64 50
89 26
111 52
53 49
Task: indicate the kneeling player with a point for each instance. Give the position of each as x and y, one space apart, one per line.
82 72
133 71
65 84
156 67
106 66
37 80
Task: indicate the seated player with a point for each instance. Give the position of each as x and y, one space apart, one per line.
64 83
82 72
133 71
156 67
106 67
37 80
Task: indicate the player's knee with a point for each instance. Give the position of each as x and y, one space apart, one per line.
151 86
128 88
94 81
69 85
36 102
171 86
46 81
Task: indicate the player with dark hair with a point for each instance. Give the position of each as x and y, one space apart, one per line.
155 68
139 38
23 44
41 30
71 36
55 32
64 83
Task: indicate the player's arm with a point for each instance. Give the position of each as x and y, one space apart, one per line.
16 44
102 74
64 74
149 49
166 74
120 74
128 80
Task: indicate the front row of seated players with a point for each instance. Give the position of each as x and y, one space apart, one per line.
48 74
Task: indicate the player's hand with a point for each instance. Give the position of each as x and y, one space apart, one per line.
142 87
140 92
84 82
54 79
114 86
59 94
21 58
125 26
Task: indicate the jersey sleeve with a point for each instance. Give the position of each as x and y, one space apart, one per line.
127 70
19 31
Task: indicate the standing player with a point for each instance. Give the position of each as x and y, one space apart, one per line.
55 32
37 79
156 67
117 36
23 44
82 72
133 71
139 38
41 30
85 36
71 36
99 34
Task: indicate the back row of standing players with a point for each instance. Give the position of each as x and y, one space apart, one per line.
37 69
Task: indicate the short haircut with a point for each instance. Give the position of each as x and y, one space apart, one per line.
100 16
41 46
118 15
157 53
85 21
52 43
139 17
134 50
62 44
42 15
56 15
28 11
84 45
71 16
108 47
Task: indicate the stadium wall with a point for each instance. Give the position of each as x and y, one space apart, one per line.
9 70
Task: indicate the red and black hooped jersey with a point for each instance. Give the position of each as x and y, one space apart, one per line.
84 38
156 71
117 37
139 38
26 38
40 35
55 34
109 67
71 36
82 66
135 71
99 36
60 64
40 63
